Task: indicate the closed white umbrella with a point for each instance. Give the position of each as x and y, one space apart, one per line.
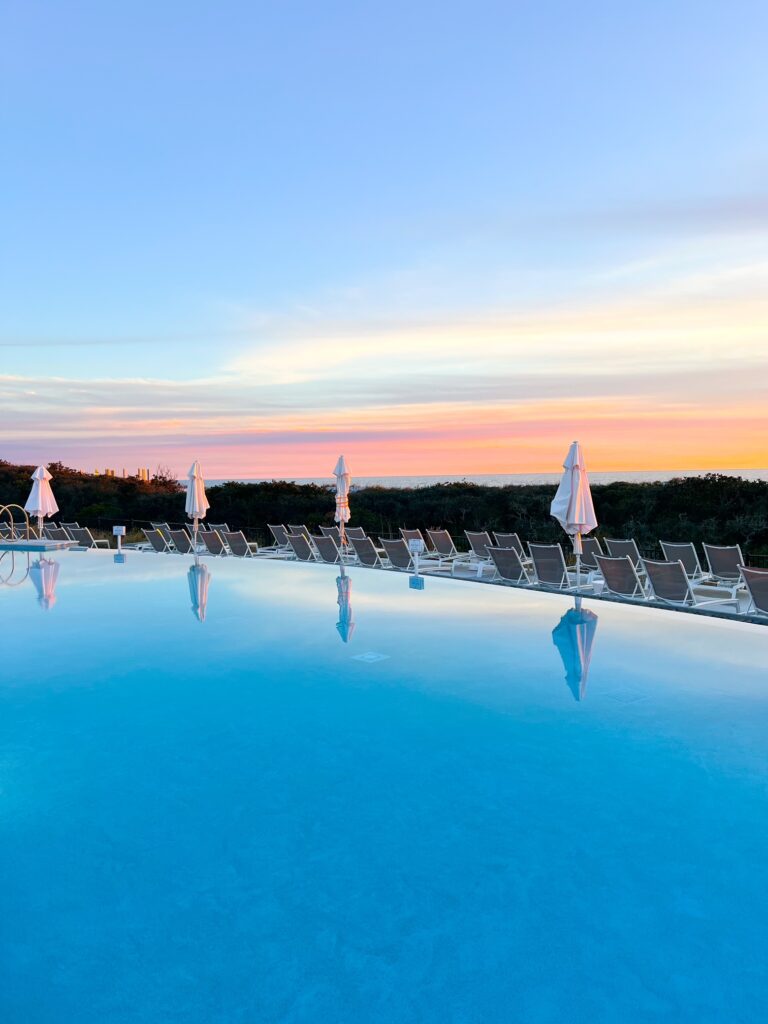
345 625
572 505
44 573
573 636
199 578
41 502
343 480
197 503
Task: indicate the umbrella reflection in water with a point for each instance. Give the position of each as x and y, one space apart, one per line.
345 625
199 578
44 573
573 636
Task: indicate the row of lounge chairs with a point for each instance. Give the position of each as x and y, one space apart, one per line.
678 580
618 569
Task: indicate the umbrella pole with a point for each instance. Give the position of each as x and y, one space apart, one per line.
195 534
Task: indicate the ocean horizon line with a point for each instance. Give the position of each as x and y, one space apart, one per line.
497 479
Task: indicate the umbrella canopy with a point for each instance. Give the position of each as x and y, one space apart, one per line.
44 573
345 625
573 636
343 480
41 502
572 505
199 578
197 503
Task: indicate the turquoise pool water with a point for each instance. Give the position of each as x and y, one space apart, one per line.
248 820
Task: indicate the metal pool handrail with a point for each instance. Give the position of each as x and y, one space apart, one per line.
7 508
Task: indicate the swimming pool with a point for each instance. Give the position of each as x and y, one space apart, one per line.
450 817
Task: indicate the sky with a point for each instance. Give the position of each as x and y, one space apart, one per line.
441 238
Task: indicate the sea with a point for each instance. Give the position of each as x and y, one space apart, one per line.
503 479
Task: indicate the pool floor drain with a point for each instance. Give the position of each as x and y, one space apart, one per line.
370 657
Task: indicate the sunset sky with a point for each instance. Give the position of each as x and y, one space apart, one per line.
441 238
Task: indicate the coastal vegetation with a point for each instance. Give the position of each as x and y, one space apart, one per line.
715 508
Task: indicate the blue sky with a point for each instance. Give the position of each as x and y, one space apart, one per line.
204 201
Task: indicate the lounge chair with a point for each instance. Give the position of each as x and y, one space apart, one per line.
366 553
333 532
590 549
725 566
620 548
238 545
398 554
509 565
550 568
219 527
620 577
55 533
156 541
409 535
327 548
182 542
511 540
69 527
669 584
301 547
298 529
479 542
85 539
445 549
685 553
355 533
280 536
756 581
214 544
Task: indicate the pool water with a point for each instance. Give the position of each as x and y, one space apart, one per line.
362 803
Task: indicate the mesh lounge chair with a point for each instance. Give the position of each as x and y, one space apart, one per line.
85 539
445 549
355 533
511 540
280 535
398 554
238 545
165 530
725 565
509 565
479 542
620 548
298 529
620 577
219 527
69 527
685 553
550 568
301 547
156 541
56 533
214 544
366 553
669 584
409 535
182 542
590 549
327 548
333 532
756 581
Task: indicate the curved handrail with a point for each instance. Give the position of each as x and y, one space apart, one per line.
7 508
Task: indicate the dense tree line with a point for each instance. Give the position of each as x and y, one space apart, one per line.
715 508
